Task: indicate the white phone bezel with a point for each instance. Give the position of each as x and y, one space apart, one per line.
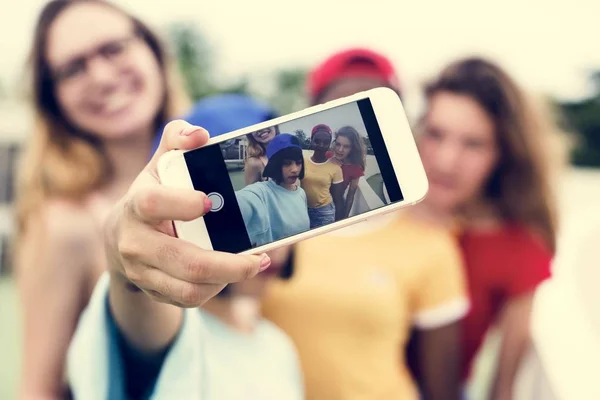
398 138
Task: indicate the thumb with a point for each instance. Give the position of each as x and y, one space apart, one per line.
178 135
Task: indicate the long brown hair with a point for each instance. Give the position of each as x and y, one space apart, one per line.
358 153
60 160
521 186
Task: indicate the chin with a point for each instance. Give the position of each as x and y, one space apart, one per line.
123 128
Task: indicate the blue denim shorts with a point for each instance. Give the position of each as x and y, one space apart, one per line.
320 216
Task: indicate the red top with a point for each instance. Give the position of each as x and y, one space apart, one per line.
500 265
349 171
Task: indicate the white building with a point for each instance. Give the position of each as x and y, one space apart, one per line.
15 120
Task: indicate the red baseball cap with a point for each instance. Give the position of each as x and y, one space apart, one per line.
354 62
321 127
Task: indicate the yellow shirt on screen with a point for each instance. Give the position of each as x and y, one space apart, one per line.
318 178
354 297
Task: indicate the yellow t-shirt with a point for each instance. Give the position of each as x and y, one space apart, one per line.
353 298
318 178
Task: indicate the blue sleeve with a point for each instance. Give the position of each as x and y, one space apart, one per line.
254 212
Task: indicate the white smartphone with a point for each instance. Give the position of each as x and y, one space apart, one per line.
315 158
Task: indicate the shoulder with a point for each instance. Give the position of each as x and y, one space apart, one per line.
276 337
58 243
355 170
254 163
436 237
60 225
512 240
66 221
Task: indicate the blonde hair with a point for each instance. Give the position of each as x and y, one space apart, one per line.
532 152
59 160
256 149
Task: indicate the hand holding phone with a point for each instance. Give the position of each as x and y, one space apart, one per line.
142 249
324 168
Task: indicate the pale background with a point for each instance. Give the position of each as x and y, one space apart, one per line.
335 118
548 45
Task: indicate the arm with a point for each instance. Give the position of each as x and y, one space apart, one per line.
439 357
441 303
350 197
253 169
148 326
53 263
514 325
337 192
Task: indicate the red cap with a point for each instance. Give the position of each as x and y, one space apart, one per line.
357 62
321 127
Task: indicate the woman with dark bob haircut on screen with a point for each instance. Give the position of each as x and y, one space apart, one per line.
277 208
101 87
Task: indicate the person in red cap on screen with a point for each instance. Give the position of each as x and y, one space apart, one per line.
322 180
360 291
349 72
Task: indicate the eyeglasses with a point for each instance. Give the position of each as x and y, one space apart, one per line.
114 51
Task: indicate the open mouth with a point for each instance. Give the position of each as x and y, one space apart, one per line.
115 103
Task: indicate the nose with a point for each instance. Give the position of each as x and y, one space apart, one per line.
447 157
296 167
101 71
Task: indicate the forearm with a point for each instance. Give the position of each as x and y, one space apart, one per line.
349 202
514 343
149 326
439 362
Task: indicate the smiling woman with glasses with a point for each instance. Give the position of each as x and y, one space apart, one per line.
102 87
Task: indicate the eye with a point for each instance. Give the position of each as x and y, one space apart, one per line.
71 70
433 133
113 49
474 144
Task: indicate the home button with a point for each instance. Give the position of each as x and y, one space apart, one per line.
217 201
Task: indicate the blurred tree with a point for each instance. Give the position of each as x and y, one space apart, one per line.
583 117
288 95
195 58
303 138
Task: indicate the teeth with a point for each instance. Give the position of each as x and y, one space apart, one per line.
116 102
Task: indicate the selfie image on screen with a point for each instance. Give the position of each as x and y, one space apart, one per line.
301 174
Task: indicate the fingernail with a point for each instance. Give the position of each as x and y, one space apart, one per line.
265 262
190 129
207 205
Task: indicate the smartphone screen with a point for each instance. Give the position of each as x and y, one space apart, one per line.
316 170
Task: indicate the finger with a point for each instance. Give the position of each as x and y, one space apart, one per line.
165 289
186 261
178 135
161 203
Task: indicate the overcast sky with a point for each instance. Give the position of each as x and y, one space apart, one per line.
548 45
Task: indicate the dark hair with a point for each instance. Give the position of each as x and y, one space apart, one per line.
359 149
520 186
275 171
